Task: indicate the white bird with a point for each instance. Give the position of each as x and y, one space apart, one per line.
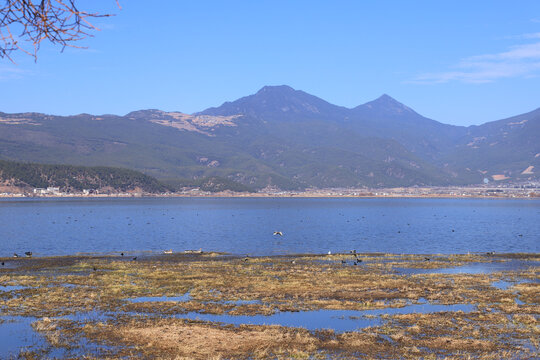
278 233
167 251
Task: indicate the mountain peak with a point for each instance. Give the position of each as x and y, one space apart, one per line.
276 89
277 102
385 97
387 104
386 100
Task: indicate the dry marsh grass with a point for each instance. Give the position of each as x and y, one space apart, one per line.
505 323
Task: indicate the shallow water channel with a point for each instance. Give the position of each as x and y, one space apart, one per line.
16 333
473 268
337 320
17 336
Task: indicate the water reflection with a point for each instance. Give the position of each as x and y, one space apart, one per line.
17 334
7 288
337 320
474 268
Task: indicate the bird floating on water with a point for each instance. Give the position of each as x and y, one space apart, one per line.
28 254
135 258
121 254
3 263
15 255
278 233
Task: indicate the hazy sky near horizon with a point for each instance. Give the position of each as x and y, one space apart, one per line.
458 62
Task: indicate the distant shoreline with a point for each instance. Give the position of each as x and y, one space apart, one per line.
270 195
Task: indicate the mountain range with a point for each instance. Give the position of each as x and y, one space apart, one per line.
284 138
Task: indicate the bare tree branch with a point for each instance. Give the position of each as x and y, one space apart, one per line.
24 24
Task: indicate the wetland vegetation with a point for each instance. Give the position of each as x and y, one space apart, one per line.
218 306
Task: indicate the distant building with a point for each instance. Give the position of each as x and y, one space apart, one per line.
49 190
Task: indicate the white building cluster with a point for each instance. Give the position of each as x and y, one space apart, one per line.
47 191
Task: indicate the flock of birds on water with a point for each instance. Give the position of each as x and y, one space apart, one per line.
356 259
276 233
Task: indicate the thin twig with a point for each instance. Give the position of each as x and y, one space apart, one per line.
58 21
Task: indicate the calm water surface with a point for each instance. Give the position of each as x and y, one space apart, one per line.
240 226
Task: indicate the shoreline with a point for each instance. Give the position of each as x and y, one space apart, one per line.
151 255
499 191
269 195
158 253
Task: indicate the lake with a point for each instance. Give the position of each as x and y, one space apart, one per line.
246 225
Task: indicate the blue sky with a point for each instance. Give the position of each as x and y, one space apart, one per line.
458 62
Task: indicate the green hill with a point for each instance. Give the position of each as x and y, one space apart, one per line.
69 178
77 178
